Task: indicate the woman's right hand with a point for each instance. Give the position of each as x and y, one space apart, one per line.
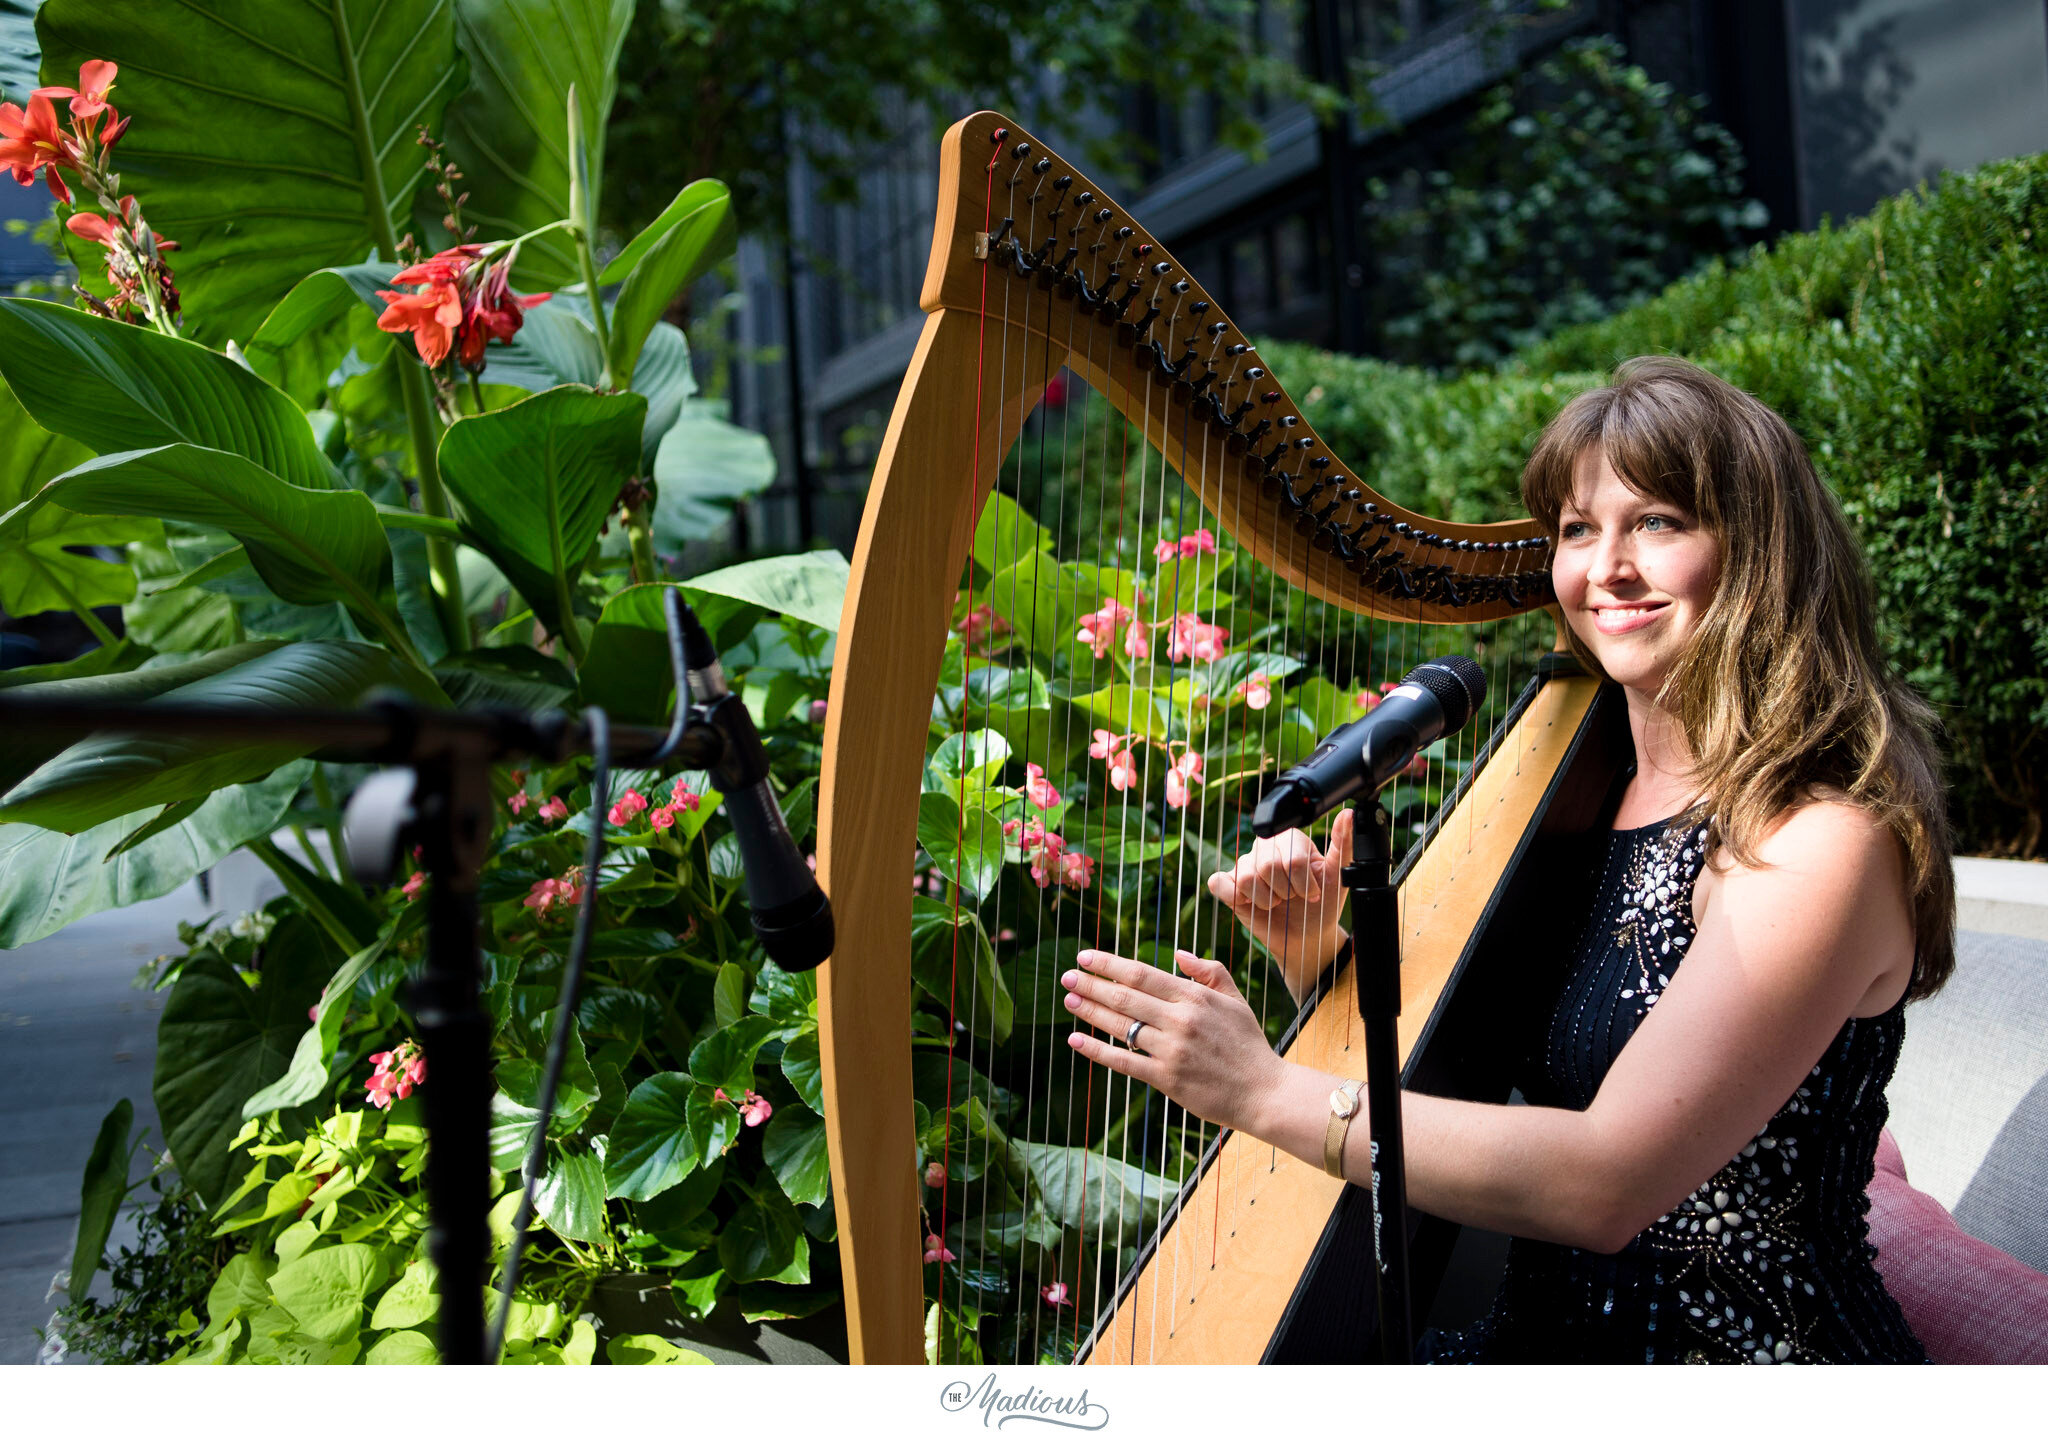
1290 896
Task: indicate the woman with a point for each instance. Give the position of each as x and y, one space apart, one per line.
1707 1087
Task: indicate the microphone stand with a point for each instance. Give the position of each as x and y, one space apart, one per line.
438 796
1376 964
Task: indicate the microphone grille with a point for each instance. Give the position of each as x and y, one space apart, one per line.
1459 683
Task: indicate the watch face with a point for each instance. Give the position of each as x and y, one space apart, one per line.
1343 1102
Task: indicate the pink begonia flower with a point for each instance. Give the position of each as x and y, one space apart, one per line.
980 624
626 808
935 1250
1057 1296
1366 701
1187 770
682 797
414 884
818 711
1040 792
1200 540
754 1110
399 1071
1103 745
554 809
663 817
1123 771
1258 692
1025 834
1099 628
1419 767
550 891
935 1175
1137 642
1192 637
518 801
1045 860
1076 870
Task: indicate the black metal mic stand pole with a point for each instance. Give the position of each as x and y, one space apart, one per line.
1376 966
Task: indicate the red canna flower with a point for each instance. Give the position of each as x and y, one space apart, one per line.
95 78
431 316
31 140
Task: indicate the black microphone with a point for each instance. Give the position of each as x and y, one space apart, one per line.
1434 700
790 912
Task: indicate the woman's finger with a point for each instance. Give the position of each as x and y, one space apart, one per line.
1112 1022
1131 974
1127 1001
1110 1057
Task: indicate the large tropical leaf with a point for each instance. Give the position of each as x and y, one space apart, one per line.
557 345
509 131
315 327
17 49
49 879
220 1040
683 242
809 585
36 573
536 480
270 137
113 386
112 774
308 547
705 465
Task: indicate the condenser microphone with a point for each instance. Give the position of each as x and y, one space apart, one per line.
1434 700
790 912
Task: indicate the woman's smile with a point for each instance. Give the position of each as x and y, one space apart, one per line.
1615 619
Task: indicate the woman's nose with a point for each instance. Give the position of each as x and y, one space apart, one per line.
1613 562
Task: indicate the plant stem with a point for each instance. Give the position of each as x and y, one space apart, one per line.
100 631
580 219
271 857
313 856
640 536
324 794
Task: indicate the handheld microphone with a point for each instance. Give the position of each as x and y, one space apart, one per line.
1434 700
790 912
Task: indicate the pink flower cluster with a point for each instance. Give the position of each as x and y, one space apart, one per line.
1099 630
1037 790
1051 862
554 809
1057 1296
680 798
753 1109
935 1175
1186 770
551 891
399 1072
1192 637
1115 750
979 625
935 1250
1257 692
1366 701
414 884
1200 540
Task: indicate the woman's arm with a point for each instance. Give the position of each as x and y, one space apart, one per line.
1785 953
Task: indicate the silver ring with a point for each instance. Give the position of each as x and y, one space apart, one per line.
1131 1035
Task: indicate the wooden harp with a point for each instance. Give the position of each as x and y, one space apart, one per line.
1247 1254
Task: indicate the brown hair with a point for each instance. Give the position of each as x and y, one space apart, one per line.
1783 692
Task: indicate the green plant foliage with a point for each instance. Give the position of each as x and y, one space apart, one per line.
36 573
270 145
1581 187
100 1196
695 232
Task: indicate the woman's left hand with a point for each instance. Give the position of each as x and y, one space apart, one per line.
1201 1046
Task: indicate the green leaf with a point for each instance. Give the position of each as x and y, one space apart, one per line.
1090 1191
306 1078
110 775
508 131
100 1195
703 466
49 879
983 757
113 387
414 1299
765 1239
651 1147
270 140
1006 535
325 1289
570 1196
309 547
18 52
724 1059
651 1348
164 820
36 573
124 656
760 1303
794 1147
789 1000
408 1346
967 849
803 1066
810 586
664 377
627 671
670 254
537 479
219 1041
955 964
314 328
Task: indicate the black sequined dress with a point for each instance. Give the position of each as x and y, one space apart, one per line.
1766 1262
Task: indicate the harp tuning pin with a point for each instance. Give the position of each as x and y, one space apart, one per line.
1084 198
1180 286
1304 443
1199 307
1464 544
1352 495
1064 182
1124 233
1236 348
1372 509
1289 421
1255 374
1218 328
1143 250
1041 166
1401 529
999 136
1271 395
1317 463
1102 215
1023 150
1162 267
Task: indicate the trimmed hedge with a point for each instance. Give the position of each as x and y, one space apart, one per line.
1910 350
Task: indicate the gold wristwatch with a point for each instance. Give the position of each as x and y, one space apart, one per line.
1343 1106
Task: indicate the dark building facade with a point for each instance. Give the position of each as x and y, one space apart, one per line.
1835 103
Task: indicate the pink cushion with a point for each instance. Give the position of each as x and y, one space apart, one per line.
1968 1301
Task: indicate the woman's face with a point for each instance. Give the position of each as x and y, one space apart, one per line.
1633 575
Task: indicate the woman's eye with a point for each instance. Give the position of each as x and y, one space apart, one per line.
1657 522
1572 529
